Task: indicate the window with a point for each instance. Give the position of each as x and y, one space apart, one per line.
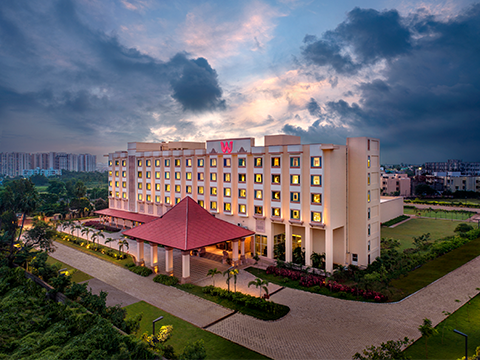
258 210
227 192
178 188
276 195
178 162
201 203
316 216
109 162
110 183
368 213
167 199
178 175
368 161
201 190
117 184
316 198
295 179
213 205
258 162
117 194
149 174
124 184
242 177
140 197
295 197
213 162
157 174
200 162
242 208
258 194
124 163
188 162
157 198
110 173
148 162
149 198
116 173
213 190
117 162
177 200
167 187
368 196
276 162
316 162
242 193
369 230
167 163
227 162
294 162
157 163
167 175
368 179
149 186
139 162
295 214
258 178
227 177
316 180
189 176
157 187
124 174
213 176
368 144
200 176
242 162
275 179
354 258
124 195
276 212
140 185
140 174
227 207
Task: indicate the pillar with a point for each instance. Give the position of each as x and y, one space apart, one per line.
140 245
168 259
242 249
153 255
186 264
328 249
288 243
308 245
235 251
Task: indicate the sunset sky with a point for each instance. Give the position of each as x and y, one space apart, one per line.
92 75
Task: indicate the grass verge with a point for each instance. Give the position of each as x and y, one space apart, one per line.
259 314
440 214
184 332
78 276
446 344
396 220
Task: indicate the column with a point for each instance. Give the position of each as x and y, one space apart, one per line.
328 249
185 264
153 255
242 250
140 245
168 259
235 251
288 242
308 245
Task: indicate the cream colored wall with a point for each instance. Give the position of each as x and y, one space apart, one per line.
390 208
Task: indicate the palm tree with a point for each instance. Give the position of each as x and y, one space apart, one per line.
427 330
259 283
212 273
72 227
109 240
78 228
228 273
234 274
66 224
100 234
86 230
121 243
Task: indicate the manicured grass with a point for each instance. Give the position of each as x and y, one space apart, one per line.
42 188
78 276
184 332
415 227
396 220
197 290
440 214
437 268
452 345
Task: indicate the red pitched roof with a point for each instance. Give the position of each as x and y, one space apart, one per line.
188 226
127 215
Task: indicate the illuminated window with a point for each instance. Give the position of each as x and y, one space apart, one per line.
124 163
178 162
295 214
294 162
368 179
368 196
368 213
149 198
227 162
149 174
201 203
213 162
227 207
167 187
227 192
258 210
124 174
316 162
276 162
124 184
275 179
200 176
213 205
167 162
201 190
148 162
295 179
368 161
258 178
109 162
157 198
117 184
213 176
188 162
177 200
178 175
227 177
110 183
316 180
110 173
369 230
139 162
117 162
295 197
157 174
242 162
178 188
167 175
258 162
258 194
276 212
124 195
167 199
140 185
213 191
200 162
157 187
117 194
316 198
157 163
149 186
275 195
242 177
316 216
189 176
242 208
242 193
140 174
116 173
140 197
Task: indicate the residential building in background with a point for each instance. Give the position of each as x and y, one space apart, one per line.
323 198
396 185
465 168
457 182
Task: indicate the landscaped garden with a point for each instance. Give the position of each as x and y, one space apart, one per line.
459 215
77 275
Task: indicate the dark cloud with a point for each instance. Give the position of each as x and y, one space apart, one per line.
313 107
425 107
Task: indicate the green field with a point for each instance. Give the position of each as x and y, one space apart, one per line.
439 214
78 276
184 332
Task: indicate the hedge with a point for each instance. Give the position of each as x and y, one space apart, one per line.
166 280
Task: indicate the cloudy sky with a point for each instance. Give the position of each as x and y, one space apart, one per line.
92 75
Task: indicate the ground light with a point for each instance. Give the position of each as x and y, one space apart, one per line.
466 341
153 323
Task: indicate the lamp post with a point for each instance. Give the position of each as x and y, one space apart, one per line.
153 323
466 342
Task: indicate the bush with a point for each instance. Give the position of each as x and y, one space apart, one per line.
140 270
195 351
166 280
396 220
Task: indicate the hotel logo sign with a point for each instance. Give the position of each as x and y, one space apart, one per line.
230 146
227 146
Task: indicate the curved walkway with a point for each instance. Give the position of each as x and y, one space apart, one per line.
317 327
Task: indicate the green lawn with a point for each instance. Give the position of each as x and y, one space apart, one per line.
440 214
78 276
42 188
184 332
437 268
415 227
447 344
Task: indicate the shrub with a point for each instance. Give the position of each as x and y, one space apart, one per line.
166 280
140 270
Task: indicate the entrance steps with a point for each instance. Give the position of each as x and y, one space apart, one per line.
213 257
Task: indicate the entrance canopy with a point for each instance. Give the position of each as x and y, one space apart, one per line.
188 226
141 218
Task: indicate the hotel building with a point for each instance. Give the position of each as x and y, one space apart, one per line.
323 198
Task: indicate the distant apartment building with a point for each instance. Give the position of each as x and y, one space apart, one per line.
44 172
465 168
396 185
457 182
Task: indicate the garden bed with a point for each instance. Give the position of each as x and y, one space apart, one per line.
397 220
99 226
